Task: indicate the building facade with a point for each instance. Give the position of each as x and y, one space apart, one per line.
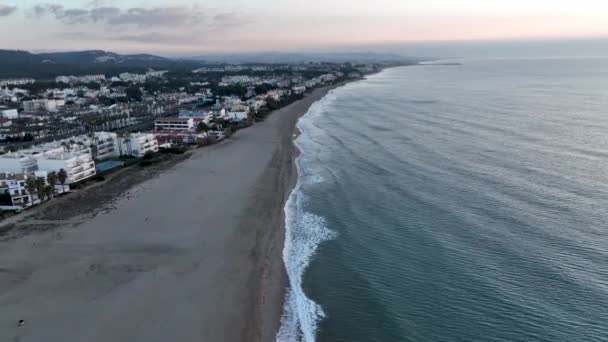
180 124
16 82
42 104
138 144
10 113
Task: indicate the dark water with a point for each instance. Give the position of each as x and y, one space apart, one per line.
454 203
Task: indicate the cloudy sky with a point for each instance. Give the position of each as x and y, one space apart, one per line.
202 26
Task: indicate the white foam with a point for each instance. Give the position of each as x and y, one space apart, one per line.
304 232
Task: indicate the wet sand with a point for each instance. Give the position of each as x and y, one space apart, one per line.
194 254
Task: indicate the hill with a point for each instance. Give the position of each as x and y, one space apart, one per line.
49 65
283 57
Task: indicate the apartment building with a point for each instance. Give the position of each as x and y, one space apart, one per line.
42 104
16 82
173 123
138 144
78 165
13 192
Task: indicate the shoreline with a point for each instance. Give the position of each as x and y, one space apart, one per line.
273 291
166 252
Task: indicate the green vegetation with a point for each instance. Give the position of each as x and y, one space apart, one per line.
49 65
234 90
62 177
134 94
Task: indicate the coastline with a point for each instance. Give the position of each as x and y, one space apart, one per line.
168 259
272 281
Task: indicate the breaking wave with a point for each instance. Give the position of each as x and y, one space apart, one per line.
304 232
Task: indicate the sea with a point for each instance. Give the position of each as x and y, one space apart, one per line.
461 201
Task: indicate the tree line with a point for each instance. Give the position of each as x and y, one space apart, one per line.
45 188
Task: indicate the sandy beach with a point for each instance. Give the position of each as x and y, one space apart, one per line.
193 254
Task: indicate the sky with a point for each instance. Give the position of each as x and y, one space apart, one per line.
190 27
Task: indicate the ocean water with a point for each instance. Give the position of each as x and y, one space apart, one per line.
453 203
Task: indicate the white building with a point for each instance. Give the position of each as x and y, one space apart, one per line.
110 145
42 104
107 145
92 78
62 79
10 113
236 116
13 184
183 124
138 144
327 78
299 89
276 94
156 74
129 77
17 163
78 165
237 79
16 81
311 83
83 79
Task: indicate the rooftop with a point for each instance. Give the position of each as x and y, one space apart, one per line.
173 119
12 176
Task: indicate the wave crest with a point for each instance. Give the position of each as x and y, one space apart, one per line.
304 232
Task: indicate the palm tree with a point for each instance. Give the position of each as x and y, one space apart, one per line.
49 191
202 127
119 137
62 177
30 186
94 151
52 179
41 187
127 141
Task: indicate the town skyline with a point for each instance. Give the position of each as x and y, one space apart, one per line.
187 27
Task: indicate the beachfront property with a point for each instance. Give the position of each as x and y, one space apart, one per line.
17 163
300 89
277 94
173 123
138 144
79 165
237 114
9 113
185 114
311 83
13 192
105 142
111 145
170 137
76 155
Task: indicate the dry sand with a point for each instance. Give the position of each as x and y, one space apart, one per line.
194 254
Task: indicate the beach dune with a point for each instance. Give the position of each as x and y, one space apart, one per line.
193 254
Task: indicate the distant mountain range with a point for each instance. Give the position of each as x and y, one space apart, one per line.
49 65
283 57
14 63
